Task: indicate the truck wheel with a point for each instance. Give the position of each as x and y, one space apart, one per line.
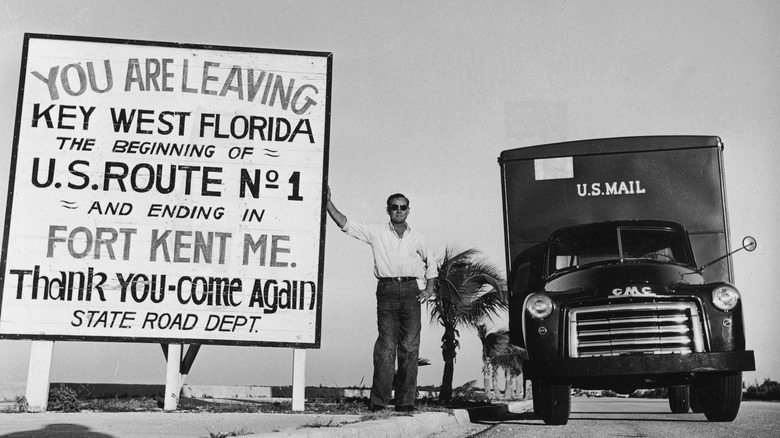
696 403
679 399
721 396
536 393
556 403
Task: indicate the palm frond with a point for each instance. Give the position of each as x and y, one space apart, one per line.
482 332
468 290
509 361
503 354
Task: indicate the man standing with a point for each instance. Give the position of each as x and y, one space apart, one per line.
401 266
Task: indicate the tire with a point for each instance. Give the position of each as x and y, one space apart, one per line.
679 399
537 395
696 404
721 396
556 403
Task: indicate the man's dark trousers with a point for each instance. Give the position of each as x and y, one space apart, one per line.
398 321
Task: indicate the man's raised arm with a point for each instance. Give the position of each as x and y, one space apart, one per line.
334 213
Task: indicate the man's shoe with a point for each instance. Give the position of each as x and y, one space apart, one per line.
376 408
404 408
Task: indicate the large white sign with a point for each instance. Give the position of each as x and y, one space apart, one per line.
165 192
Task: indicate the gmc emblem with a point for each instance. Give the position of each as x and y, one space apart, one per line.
633 290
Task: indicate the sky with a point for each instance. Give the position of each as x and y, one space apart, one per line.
425 96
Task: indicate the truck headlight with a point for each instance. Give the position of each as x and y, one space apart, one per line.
725 298
539 306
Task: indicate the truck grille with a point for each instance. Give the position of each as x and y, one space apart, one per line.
635 328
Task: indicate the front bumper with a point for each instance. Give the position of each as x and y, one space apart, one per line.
640 365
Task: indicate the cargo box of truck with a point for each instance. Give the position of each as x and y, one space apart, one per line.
618 270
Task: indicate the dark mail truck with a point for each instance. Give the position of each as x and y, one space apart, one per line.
619 272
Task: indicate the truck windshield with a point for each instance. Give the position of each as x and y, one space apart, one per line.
585 246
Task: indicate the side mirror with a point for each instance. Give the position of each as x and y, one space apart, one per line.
748 243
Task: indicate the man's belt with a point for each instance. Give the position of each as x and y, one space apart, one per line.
396 279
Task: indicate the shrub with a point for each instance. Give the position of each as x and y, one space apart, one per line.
21 404
63 398
651 393
769 390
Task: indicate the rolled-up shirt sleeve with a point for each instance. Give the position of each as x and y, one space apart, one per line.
431 269
358 230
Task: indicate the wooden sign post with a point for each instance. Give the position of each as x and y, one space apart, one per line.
299 380
38 375
173 377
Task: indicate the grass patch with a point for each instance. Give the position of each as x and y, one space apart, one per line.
63 400
317 424
141 404
19 406
380 415
227 434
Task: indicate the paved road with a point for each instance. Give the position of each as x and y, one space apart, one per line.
204 425
156 424
614 417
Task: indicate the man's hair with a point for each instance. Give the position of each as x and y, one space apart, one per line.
396 196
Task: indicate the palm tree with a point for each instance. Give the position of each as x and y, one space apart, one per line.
499 353
468 291
489 345
512 363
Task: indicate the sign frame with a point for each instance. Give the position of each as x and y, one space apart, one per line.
327 57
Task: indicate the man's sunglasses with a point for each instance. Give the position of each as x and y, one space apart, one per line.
396 207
